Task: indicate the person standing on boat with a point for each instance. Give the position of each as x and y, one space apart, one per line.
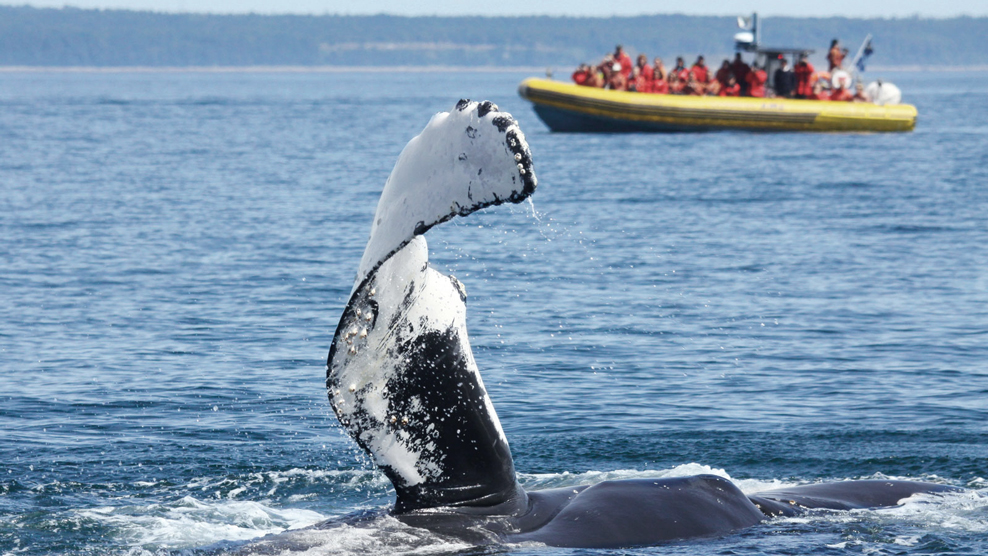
785 80
740 70
836 56
756 79
723 73
621 57
804 77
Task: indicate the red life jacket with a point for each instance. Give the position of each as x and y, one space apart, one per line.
700 73
627 66
660 86
730 91
642 85
804 70
841 95
722 75
756 82
740 71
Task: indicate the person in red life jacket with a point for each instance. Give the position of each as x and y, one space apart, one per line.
700 71
731 89
694 87
583 75
723 74
756 79
859 93
660 82
621 57
818 93
680 70
804 77
644 75
841 94
835 57
740 71
676 84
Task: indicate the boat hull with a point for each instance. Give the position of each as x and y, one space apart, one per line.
570 108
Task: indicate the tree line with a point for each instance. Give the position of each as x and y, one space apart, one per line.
82 37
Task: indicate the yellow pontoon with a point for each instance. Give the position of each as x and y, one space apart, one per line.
569 107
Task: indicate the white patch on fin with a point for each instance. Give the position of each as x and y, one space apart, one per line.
464 160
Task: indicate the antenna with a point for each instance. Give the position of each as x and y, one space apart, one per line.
747 39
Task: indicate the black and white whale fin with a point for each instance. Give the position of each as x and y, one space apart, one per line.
401 375
464 160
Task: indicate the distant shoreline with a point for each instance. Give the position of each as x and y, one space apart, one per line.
540 70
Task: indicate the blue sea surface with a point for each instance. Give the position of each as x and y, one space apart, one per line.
176 250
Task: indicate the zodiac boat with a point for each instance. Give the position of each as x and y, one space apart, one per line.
574 108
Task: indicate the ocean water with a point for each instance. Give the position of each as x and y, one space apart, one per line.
176 250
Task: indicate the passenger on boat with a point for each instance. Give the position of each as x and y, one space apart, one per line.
841 94
701 72
818 93
694 87
660 82
723 74
785 80
740 70
731 89
804 74
596 78
836 55
859 93
756 79
583 75
621 57
678 77
659 70
644 75
616 80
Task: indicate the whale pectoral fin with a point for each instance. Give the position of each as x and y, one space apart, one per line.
403 382
643 512
844 495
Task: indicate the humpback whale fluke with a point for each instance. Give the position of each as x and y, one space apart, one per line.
401 375
403 381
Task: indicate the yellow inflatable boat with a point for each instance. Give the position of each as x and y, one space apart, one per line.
569 107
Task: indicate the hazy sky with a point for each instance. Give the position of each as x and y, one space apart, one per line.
849 8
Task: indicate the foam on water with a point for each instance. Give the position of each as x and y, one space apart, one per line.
191 522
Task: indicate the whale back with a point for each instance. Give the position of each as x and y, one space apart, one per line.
401 376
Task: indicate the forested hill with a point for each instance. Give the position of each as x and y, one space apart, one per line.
75 37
